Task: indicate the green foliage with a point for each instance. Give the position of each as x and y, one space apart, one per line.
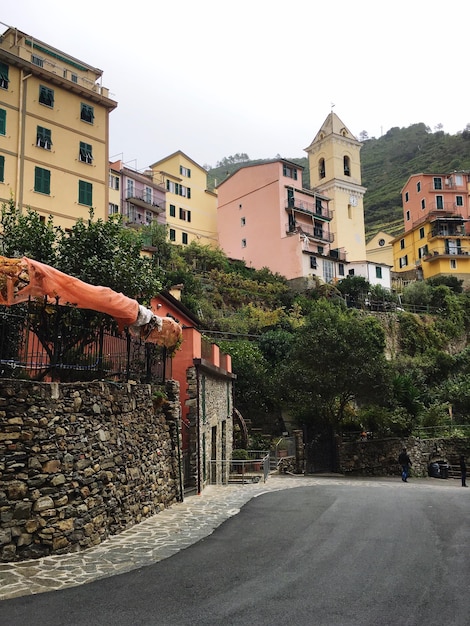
354 288
24 234
415 336
105 253
240 454
252 374
450 281
337 359
417 293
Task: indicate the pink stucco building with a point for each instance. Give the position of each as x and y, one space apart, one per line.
267 219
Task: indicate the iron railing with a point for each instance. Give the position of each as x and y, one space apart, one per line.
46 342
244 471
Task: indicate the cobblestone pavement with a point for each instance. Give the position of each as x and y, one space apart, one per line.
160 536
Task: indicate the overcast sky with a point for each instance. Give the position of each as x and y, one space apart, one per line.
214 78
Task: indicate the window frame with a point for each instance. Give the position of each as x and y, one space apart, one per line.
87 113
85 193
85 153
42 181
43 137
46 96
4 75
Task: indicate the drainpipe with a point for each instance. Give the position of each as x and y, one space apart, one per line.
180 469
21 142
198 434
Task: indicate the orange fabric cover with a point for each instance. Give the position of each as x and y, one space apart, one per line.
23 278
46 281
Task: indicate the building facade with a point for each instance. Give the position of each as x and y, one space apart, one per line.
54 131
436 237
205 378
191 209
335 171
141 201
267 219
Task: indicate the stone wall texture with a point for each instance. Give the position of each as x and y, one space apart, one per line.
379 457
82 461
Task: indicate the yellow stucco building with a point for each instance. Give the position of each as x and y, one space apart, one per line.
54 131
191 208
436 247
335 171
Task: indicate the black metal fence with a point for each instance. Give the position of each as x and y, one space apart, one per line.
47 342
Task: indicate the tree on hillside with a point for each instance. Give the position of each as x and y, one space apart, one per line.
354 289
337 361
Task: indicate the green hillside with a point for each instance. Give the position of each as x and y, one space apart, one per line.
387 163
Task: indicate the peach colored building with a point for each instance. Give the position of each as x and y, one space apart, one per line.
267 219
444 195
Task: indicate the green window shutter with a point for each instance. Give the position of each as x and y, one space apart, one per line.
43 137
86 155
4 80
2 169
87 113
172 210
85 193
189 194
3 122
42 180
46 96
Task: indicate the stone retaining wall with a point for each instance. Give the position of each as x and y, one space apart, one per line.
82 461
379 457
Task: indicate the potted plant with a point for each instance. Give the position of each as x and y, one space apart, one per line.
240 454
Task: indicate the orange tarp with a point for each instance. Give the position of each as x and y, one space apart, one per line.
25 278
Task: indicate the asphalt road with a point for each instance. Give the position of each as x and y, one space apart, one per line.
330 555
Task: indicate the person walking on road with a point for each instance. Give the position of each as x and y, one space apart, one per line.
463 470
405 462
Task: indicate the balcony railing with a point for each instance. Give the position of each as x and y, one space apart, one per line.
458 251
145 202
309 208
319 234
457 231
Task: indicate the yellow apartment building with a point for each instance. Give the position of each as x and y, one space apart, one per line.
438 246
191 208
54 131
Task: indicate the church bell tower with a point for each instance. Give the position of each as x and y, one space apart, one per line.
335 170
